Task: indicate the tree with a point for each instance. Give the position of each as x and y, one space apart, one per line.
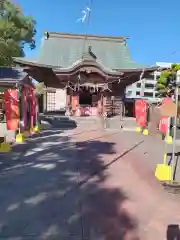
16 30
166 82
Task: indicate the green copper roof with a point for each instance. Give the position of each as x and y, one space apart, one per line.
62 51
65 50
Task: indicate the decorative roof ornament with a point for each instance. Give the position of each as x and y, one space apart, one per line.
68 86
142 75
85 15
106 87
46 35
143 83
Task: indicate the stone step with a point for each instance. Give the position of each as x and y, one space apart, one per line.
59 121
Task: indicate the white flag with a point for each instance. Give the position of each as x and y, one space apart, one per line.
85 14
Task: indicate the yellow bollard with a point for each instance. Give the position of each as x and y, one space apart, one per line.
37 128
19 138
163 171
168 140
145 132
138 129
5 147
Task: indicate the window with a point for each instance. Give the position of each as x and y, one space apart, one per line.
137 93
51 101
157 95
148 94
138 85
128 93
157 77
149 85
150 77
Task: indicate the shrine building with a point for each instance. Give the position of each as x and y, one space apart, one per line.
86 74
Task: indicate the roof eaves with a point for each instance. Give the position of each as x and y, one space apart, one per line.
146 69
11 74
80 62
23 61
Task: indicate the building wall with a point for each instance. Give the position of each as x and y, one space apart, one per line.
54 99
145 88
147 85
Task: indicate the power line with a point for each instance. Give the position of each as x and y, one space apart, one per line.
152 65
86 19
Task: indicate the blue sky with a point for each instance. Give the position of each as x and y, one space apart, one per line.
152 26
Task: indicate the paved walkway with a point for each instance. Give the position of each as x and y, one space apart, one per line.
95 185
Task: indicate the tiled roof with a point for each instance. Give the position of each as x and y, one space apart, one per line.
11 74
63 50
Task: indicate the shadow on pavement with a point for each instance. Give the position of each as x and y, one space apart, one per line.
58 190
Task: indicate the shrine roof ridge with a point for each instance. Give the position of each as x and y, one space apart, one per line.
89 36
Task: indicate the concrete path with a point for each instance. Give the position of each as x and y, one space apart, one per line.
93 184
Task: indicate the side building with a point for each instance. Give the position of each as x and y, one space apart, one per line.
144 88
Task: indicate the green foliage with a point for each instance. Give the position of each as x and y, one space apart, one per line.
166 81
16 30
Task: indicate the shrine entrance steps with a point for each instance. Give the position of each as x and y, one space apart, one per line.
57 121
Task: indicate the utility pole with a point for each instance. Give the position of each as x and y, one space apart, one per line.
176 94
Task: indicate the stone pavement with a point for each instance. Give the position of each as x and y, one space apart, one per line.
79 184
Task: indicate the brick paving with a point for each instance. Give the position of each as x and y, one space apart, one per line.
95 185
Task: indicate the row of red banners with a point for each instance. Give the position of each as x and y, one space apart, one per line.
141 107
11 106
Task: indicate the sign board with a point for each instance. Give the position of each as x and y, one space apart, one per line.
154 120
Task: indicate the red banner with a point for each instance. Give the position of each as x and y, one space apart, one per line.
164 124
11 109
164 120
32 107
141 112
74 102
24 105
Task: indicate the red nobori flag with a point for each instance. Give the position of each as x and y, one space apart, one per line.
164 124
11 109
164 120
141 112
